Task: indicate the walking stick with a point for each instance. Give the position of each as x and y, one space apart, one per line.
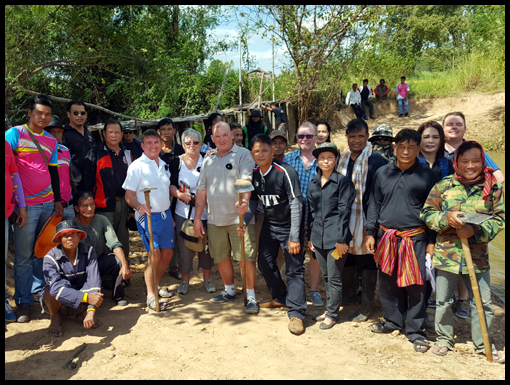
478 300
147 192
241 187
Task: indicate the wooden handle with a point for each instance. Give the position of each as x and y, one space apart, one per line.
478 300
152 257
243 264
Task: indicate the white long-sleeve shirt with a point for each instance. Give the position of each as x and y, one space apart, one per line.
353 97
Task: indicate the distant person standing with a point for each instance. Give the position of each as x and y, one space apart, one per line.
402 96
353 99
366 93
237 129
382 90
77 138
281 120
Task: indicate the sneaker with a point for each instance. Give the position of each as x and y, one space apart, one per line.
209 286
183 287
400 115
252 307
406 114
23 312
122 302
316 298
9 314
223 297
175 273
462 309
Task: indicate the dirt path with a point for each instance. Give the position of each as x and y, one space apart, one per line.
200 340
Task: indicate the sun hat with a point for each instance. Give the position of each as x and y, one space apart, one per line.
327 146
68 226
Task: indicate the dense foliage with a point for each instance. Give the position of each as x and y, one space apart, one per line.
150 61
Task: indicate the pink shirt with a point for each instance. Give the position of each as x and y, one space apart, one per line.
10 168
403 90
32 169
64 174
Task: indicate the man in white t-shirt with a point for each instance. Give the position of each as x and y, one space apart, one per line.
149 171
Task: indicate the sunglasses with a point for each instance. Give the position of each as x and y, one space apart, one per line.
76 113
129 132
307 136
196 143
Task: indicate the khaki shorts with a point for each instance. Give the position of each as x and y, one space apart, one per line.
224 241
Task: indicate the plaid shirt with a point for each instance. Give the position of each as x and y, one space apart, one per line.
305 175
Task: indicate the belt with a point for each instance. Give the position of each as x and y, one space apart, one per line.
66 204
119 198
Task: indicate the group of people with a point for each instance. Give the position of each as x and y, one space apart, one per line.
371 213
358 97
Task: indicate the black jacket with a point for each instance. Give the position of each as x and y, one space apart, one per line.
79 145
329 210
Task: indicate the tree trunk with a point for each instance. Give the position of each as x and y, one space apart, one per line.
175 20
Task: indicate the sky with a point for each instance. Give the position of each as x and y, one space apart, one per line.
258 46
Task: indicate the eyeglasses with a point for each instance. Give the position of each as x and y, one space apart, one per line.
76 113
307 136
195 142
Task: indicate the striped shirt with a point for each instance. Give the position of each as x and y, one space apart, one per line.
305 175
32 169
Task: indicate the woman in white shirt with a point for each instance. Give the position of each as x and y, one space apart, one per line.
189 171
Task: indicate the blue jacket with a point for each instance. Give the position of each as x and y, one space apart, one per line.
68 283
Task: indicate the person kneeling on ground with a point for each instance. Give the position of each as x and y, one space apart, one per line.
113 266
71 275
472 188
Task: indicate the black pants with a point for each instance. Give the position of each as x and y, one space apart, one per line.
270 241
357 110
364 104
405 307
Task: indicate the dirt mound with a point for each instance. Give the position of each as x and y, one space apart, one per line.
484 113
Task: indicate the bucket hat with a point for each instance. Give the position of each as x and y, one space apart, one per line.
68 226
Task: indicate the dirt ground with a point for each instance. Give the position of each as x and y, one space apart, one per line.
197 339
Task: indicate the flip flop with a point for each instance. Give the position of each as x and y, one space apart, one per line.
421 345
439 350
151 304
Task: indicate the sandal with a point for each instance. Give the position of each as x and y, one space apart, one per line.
439 350
421 345
166 293
497 356
151 304
380 327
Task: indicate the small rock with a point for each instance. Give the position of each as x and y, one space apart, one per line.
355 324
111 355
275 312
395 333
112 348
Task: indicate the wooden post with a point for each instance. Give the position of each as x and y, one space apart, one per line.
260 92
221 91
272 56
240 80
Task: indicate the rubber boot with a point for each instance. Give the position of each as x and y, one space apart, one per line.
369 281
350 286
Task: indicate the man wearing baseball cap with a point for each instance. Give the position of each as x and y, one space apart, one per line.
255 126
382 141
71 275
280 144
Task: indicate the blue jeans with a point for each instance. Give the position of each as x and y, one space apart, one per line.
445 287
69 213
28 274
404 102
365 103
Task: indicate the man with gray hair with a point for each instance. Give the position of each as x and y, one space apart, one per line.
227 163
305 165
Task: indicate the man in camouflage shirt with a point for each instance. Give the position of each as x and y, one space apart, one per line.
382 141
448 197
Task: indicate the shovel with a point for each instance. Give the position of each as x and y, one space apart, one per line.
147 192
242 186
